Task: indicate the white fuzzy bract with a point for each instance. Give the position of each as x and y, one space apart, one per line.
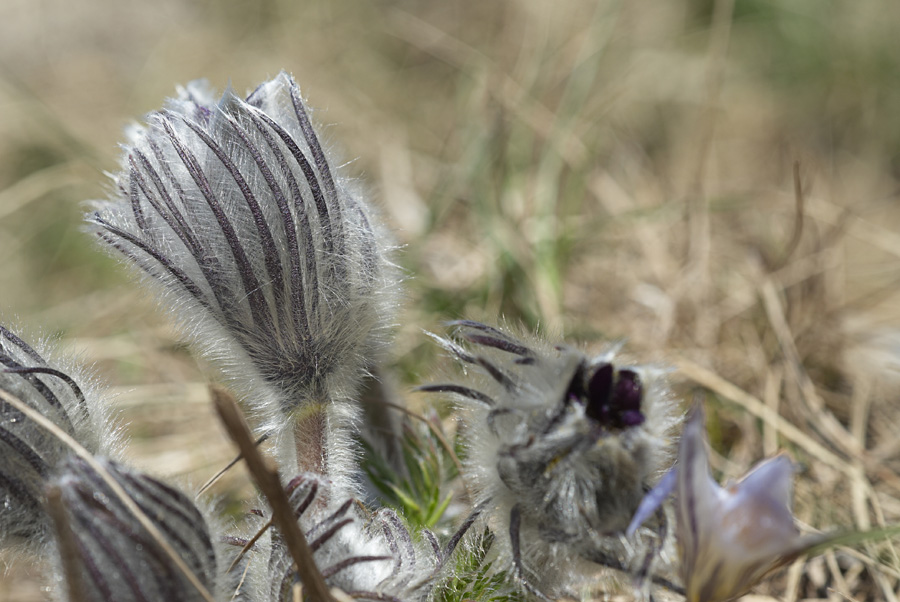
118 558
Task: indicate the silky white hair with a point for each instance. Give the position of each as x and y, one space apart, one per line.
117 556
370 556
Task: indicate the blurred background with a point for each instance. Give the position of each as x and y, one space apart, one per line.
714 181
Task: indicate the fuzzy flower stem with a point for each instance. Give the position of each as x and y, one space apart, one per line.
266 477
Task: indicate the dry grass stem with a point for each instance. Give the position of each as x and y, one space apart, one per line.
508 91
828 424
68 547
887 588
797 232
774 382
792 584
431 427
237 589
836 574
250 543
861 488
713 180
715 383
213 479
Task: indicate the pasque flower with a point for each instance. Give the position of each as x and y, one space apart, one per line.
561 448
729 537
276 269
118 558
55 432
273 263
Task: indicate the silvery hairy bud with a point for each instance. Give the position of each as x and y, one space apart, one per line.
117 556
29 454
272 262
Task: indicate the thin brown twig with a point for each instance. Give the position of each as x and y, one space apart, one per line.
797 232
828 424
792 586
265 475
715 383
774 380
887 588
869 299
861 403
840 584
114 485
228 467
68 547
249 544
237 590
862 489
798 212
873 233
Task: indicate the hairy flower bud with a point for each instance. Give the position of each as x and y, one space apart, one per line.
369 557
119 558
273 263
28 453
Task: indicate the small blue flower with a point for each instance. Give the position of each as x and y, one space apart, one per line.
731 537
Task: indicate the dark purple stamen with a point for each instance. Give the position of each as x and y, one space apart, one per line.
613 398
599 390
631 418
628 391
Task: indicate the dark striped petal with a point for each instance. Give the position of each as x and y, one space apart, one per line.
119 558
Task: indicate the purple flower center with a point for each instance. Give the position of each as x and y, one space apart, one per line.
611 397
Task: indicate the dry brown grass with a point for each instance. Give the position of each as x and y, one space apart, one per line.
605 170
